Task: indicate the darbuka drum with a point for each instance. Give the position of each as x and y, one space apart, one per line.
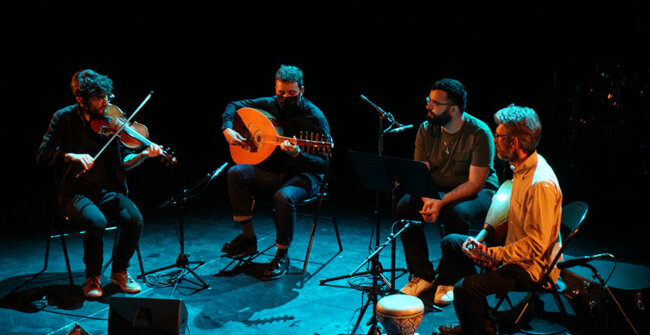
400 314
497 215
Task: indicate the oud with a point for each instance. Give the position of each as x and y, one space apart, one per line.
263 135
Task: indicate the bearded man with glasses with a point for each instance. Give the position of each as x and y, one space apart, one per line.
458 149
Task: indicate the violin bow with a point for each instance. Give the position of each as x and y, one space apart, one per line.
118 131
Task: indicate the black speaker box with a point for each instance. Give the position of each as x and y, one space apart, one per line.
597 312
128 315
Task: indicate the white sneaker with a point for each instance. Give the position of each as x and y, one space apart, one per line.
416 286
444 295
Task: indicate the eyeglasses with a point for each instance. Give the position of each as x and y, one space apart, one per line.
497 136
438 104
108 98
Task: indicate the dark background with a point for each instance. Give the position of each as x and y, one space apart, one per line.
196 56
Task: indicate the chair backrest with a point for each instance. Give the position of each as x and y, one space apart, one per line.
573 214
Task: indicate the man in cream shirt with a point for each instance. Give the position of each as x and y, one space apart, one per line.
534 220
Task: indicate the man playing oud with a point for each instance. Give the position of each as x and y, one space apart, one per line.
289 174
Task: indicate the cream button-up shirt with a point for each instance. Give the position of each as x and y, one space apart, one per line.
534 218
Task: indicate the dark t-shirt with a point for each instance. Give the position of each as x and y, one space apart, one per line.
450 155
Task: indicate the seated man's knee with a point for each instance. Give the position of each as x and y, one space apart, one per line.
457 221
235 172
408 207
96 224
283 198
467 286
452 241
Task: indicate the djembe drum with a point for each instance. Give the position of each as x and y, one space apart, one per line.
400 314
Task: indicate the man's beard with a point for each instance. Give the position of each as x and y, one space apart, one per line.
504 155
439 120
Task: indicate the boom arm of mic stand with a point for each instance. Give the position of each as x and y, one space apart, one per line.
389 240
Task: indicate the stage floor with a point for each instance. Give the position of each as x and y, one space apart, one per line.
236 301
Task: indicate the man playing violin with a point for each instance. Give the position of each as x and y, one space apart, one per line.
94 190
289 175
534 218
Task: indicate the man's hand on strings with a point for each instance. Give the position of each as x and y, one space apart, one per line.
290 148
480 253
153 150
233 137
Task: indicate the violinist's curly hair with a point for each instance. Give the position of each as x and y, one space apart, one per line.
522 123
288 73
88 83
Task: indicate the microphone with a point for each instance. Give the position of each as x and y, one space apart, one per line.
399 129
410 222
216 172
372 104
581 260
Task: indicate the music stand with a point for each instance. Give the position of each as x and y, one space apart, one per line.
179 200
388 174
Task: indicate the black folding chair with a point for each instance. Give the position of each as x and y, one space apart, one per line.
572 216
61 227
316 202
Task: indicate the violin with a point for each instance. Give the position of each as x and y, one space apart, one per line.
133 134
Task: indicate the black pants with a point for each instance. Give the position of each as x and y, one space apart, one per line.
94 211
457 218
246 181
470 288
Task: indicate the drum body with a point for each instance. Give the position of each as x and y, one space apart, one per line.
400 314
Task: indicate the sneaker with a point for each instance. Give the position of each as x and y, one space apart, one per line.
125 282
278 267
241 245
416 287
444 295
450 329
92 288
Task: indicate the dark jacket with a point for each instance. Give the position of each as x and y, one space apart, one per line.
68 132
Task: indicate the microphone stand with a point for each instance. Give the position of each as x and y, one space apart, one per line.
611 296
376 268
377 273
182 261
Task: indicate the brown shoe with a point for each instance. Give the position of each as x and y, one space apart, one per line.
125 282
92 288
454 329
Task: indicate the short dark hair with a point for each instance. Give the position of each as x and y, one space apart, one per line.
289 73
522 123
455 91
88 83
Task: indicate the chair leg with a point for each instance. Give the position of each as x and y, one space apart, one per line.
47 246
338 236
528 298
501 299
142 272
311 240
67 259
563 312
